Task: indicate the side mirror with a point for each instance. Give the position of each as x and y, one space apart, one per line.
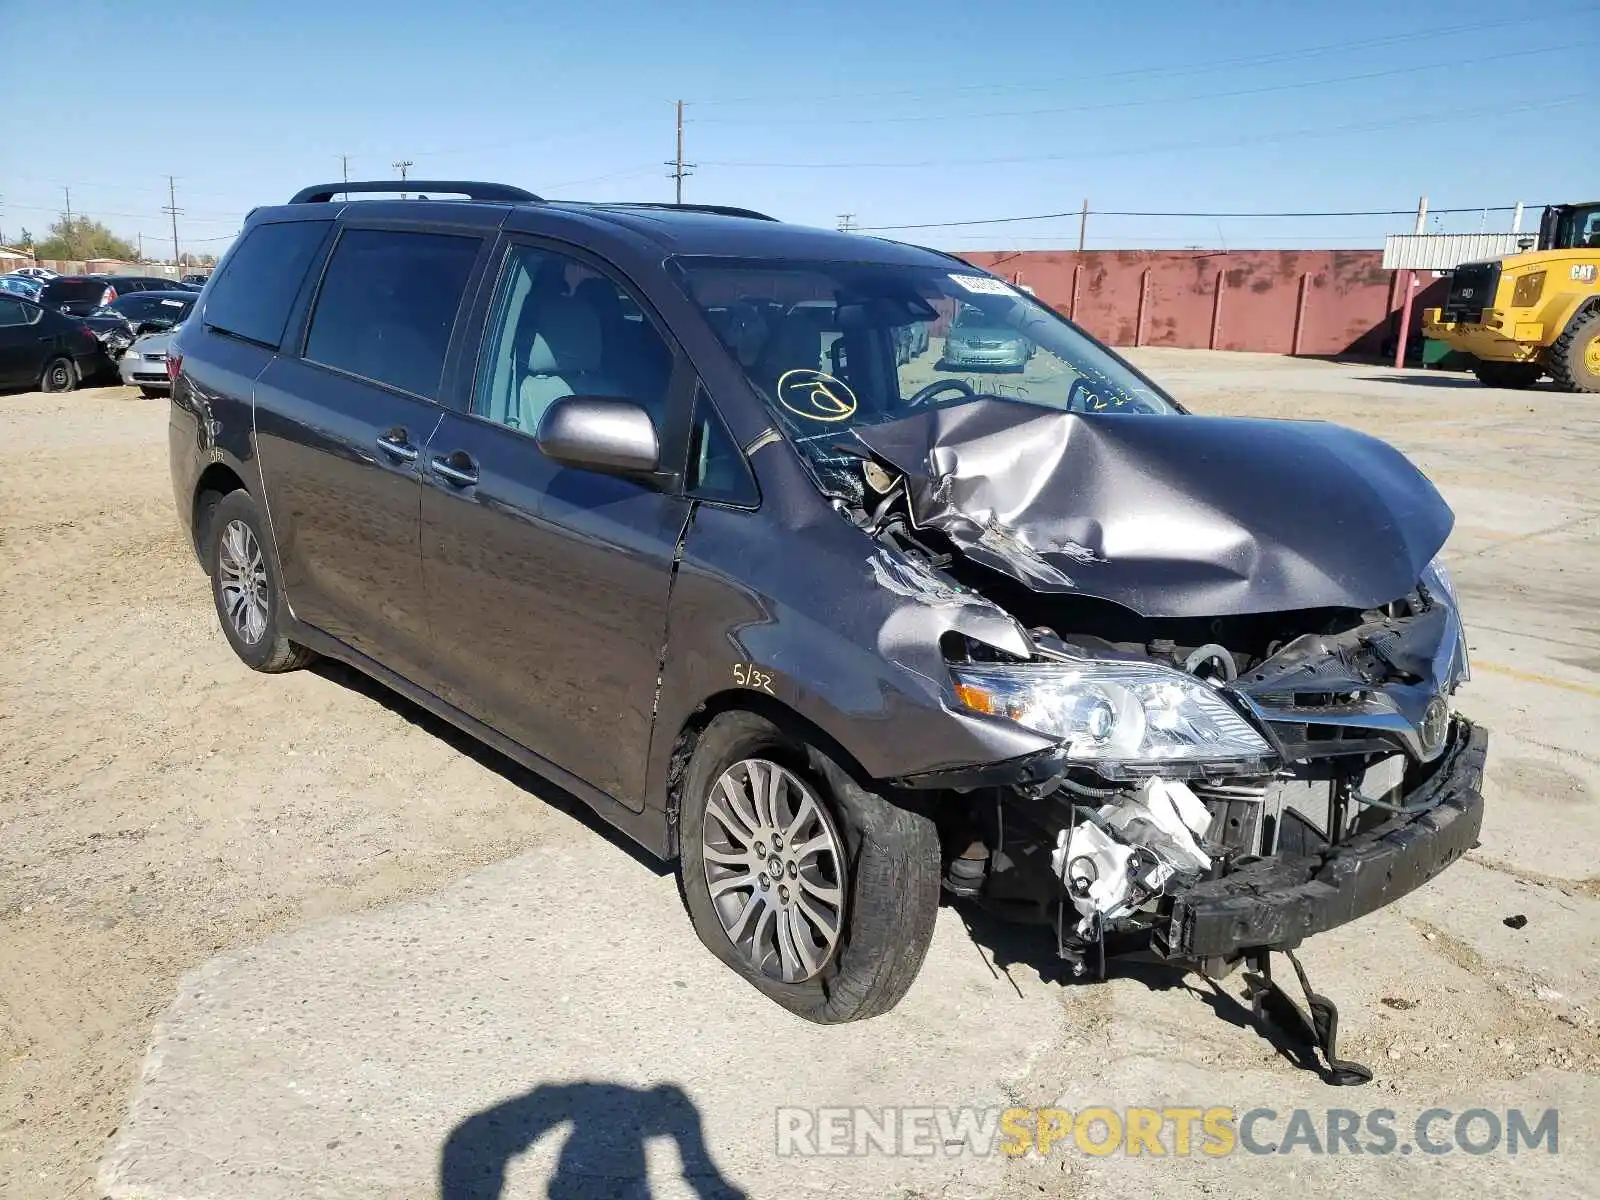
599 433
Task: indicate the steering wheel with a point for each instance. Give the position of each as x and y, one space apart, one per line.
923 395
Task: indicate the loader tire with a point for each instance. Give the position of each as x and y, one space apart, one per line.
1507 374
1575 355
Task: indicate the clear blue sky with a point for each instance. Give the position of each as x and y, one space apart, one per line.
896 112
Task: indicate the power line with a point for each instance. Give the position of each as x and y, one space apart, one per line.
1096 212
628 173
1432 33
1319 132
1150 101
207 217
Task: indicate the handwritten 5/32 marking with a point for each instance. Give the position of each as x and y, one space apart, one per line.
750 676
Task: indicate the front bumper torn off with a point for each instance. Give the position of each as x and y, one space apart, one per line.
1277 903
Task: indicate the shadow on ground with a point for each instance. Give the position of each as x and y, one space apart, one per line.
603 1155
1442 381
511 770
1011 944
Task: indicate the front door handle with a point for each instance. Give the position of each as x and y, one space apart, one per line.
458 468
395 444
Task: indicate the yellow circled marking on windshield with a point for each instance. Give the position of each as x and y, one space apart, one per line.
815 395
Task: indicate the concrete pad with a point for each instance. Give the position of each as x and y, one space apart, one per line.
553 1018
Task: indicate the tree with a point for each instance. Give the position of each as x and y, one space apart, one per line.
82 239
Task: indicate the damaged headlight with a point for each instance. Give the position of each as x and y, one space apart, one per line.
1436 578
1111 711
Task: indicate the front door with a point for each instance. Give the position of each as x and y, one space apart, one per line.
341 431
22 342
548 586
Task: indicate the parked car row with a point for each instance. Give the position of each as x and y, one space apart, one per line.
90 331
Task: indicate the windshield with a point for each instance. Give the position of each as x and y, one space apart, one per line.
836 345
1580 228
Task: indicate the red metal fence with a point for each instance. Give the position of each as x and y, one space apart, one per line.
1320 302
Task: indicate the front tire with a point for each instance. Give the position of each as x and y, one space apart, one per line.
244 586
1507 374
832 923
1575 355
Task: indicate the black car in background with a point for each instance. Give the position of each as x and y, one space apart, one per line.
44 349
80 295
127 317
147 312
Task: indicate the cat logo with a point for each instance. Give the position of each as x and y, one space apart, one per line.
1584 272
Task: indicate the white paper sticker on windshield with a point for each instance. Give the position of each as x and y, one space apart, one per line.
172 303
983 285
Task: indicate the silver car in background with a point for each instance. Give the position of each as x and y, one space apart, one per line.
976 342
144 366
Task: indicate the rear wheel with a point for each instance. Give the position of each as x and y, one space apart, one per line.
819 893
244 586
1575 356
60 374
1507 374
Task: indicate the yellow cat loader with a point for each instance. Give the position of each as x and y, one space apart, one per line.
1531 314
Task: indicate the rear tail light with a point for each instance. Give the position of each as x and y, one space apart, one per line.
174 365
88 333
109 297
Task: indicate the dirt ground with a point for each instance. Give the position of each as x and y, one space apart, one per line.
159 802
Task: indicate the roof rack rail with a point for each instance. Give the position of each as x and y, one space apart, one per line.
721 210
493 193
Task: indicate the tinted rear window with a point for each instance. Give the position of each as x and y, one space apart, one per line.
261 278
144 305
69 291
388 302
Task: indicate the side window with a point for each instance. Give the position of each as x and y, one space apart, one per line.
260 279
717 468
388 302
12 313
559 328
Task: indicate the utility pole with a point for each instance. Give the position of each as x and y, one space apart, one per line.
847 222
72 238
141 247
404 165
1083 226
344 167
1407 281
173 210
680 169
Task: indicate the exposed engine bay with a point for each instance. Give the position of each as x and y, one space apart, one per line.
1240 639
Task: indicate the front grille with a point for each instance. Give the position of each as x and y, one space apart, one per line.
1472 289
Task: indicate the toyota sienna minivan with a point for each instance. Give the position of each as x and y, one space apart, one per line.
646 497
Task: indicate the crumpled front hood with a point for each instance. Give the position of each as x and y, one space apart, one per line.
1170 516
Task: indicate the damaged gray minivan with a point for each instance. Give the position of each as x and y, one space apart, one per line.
690 511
